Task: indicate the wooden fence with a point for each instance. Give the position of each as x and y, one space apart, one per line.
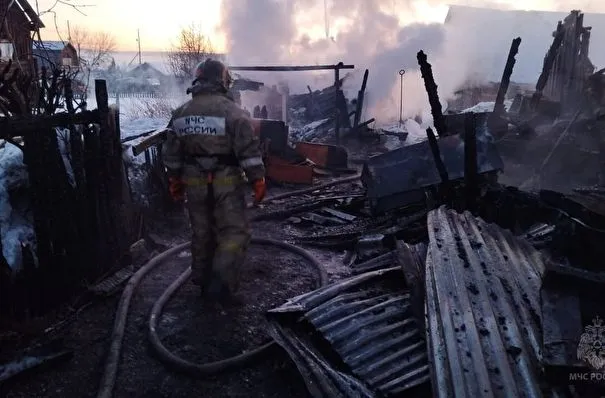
146 95
83 231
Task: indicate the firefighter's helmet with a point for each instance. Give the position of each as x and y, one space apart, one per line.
213 71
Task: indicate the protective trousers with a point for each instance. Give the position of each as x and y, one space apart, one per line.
220 231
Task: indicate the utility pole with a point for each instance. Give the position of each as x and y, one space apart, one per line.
139 41
68 32
401 73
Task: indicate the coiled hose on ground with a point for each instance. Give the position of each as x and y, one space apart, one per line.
111 366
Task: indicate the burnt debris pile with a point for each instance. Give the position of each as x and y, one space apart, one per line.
458 284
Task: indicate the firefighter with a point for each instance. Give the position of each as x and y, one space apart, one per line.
210 141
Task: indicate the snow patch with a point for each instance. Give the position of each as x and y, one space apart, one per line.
15 227
416 133
482 107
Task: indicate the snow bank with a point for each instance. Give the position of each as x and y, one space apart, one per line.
15 226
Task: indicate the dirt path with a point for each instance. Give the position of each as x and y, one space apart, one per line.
270 276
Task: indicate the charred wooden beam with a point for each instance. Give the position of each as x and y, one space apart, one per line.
431 90
508 71
136 137
549 61
366 123
360 97
154 139
291 68
22 125
437 155
471 171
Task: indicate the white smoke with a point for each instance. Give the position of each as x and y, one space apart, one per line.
370 34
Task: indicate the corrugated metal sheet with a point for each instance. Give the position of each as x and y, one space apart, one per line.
390 259
386 260
367 323
483 309
411 168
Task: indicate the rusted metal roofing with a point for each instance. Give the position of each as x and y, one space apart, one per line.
367 323
483 309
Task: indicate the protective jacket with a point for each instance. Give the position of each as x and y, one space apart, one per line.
211 132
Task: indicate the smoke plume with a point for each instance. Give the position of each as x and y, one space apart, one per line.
368 34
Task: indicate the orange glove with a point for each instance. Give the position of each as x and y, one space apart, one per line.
176 188
260 190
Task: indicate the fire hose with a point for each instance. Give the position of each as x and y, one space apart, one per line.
111 366
169 358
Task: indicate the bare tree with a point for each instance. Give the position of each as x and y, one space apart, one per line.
78 37
94 48
191 48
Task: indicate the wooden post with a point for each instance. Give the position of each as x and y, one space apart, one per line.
444 189
336 108
360 98
470 161
107 221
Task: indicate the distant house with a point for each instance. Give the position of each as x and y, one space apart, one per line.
56 54
16 38
144 77
149 72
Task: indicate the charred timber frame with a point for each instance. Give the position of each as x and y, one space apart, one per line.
336 68
571 65
549 61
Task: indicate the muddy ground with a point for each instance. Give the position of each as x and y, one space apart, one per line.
188 328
